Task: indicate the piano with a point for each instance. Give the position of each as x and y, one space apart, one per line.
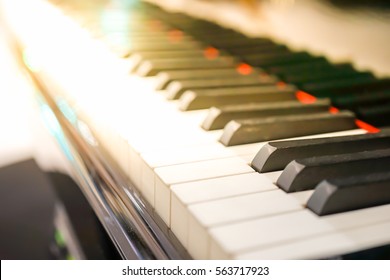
212 130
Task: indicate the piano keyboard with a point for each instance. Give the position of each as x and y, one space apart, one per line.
190 127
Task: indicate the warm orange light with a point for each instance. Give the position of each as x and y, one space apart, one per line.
369 128
244 69
305 97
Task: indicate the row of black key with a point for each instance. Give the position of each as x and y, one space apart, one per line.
347 173
230 83
316 75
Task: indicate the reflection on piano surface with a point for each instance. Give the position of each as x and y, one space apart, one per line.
189 127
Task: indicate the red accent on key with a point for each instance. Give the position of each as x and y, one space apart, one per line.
333 110
369 128
305 97
175 35
281 84
244 69
211 53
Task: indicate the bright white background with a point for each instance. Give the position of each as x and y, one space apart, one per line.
15 135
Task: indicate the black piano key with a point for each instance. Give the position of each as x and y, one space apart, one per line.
269 60
353 100
175 89
276 155
218 117
229 43
350 193
263 48
239 132
153 67
285 53
313 65
357 78
378 115
323 75
229 39
213 35
376 253
346 85
305 173
202 99
165 77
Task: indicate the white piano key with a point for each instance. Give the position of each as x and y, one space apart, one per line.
202 170
148 180
217 188
175 156
273 176
183 195
357 218
192 172
302 197
122 155
230 210
326 246
160 138
179 220
198 242
246 149
137 165
134 172
178 155
233 239
192 118
195 117
248 158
